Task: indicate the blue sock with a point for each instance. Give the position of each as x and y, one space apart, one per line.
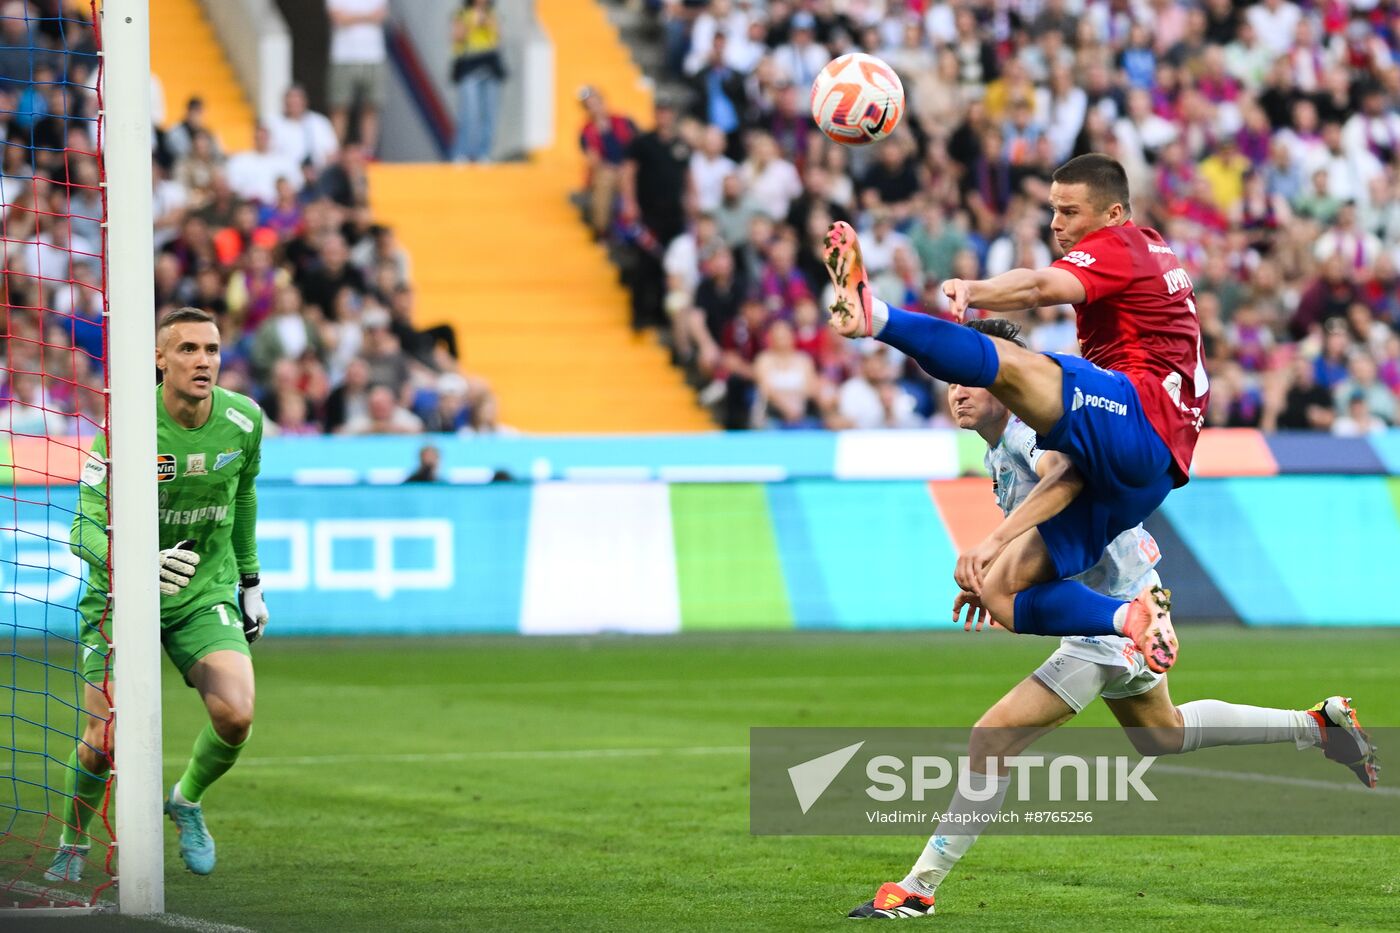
1064 607
945 350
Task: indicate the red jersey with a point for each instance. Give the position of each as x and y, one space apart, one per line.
1139 318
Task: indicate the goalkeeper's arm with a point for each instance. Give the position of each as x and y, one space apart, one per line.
87 537
245 551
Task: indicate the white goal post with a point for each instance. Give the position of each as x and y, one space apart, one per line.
129 251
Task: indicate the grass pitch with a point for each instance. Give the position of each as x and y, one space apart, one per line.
601 784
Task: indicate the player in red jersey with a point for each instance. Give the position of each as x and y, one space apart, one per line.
1126 415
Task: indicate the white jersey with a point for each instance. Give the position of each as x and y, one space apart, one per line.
1127 563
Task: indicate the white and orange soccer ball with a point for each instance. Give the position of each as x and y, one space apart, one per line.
857 99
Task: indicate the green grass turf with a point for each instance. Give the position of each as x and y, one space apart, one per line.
403 785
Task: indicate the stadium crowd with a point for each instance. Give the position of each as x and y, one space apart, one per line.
1261 138
313 297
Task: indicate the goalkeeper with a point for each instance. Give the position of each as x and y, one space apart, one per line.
211 605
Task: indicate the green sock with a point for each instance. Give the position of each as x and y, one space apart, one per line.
211 758
85 792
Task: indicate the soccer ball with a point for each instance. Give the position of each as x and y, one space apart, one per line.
857 99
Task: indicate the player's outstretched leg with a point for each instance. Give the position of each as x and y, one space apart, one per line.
1343 739
1149 625
1030 384
196 845
1157 727
1027 711
892 902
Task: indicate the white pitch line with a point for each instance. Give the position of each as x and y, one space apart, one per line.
180 922
527 755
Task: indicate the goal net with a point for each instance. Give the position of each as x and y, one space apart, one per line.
53 402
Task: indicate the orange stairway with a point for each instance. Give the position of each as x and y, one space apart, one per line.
501 255
188 60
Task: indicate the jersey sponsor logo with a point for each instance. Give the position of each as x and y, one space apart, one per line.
165 468
1172 385
1154 248
1109 405
94 471
194 465
240 419
225 458
1079 258
1176 279
215 513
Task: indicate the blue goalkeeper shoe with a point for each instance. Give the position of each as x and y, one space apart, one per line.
196 845
1343 739
67 863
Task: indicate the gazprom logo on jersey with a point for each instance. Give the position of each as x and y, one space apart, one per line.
1109 405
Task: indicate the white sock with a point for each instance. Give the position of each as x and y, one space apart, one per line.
179 798
943 851
1120 618
879 316
1208 723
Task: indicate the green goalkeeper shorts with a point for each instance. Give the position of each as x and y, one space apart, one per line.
199 633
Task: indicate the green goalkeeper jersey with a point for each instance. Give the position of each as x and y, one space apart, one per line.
205 488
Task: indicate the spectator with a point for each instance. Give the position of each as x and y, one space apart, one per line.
1344 239
253 175
477 71
1362 383
1359 421
257 289
292 417
349 401
346 181
709 167
383 415
429 465
605 139
770 180
786 382
451 410
284 335
180 138
485 419
300 135
801 57
357 66
872 399
721 100
654 185
320 285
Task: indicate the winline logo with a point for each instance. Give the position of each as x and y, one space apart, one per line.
1075 778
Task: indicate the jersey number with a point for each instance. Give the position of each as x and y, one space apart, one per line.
223 614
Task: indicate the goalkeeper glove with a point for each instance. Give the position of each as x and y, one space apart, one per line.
177 566
250 600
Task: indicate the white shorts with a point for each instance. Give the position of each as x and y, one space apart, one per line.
1082 669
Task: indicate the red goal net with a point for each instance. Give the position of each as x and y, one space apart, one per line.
53 402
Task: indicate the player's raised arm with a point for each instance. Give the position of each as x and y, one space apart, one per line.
1014 290
1060 483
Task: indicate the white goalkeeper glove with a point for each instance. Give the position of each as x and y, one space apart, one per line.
250 600
177 567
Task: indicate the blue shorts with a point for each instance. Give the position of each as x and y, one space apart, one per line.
1125 463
